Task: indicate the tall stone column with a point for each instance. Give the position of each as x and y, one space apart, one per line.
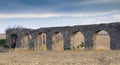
88 41
115 40
7 42
32 38
67 44
49 40
18 42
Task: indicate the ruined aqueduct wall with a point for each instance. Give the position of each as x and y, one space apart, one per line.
88 32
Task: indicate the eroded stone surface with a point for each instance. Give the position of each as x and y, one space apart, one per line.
88 32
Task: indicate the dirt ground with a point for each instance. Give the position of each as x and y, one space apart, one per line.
70 57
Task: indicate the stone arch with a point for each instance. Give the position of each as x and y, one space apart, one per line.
57 41
77 41
101 40
40 41
26 39
13 40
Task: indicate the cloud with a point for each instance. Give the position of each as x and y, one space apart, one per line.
98 1
33 13
58 15
117 17
36 23
58 6
28 15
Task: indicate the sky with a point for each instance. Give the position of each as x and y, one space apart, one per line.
53 13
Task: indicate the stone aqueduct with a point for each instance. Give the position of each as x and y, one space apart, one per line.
26 38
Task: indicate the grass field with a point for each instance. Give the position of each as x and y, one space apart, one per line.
71 57
68 57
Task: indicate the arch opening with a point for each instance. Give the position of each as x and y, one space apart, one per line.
77 41
13 38
101 40
26 39
57 41
40 42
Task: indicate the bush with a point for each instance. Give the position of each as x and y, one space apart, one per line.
82 44
2 42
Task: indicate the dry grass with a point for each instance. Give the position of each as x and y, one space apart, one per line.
58 46
102 42
71 57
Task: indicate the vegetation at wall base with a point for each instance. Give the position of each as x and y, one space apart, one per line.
2 43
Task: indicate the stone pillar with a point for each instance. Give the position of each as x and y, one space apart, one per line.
31 41
49 41
67 44
88 41
7 42
115 40
22 42
18 42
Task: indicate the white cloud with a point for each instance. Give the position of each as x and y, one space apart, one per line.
117 17
40 15
76 19
27 15
97 1
47 15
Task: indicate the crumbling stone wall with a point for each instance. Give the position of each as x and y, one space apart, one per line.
88 32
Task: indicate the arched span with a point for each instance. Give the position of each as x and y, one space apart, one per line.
26 39
101 40
13 41
77 40
89 32
57 41
40 41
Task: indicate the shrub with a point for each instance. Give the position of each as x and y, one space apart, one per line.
82 44
2 42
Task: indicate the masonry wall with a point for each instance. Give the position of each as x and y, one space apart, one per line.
88 32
